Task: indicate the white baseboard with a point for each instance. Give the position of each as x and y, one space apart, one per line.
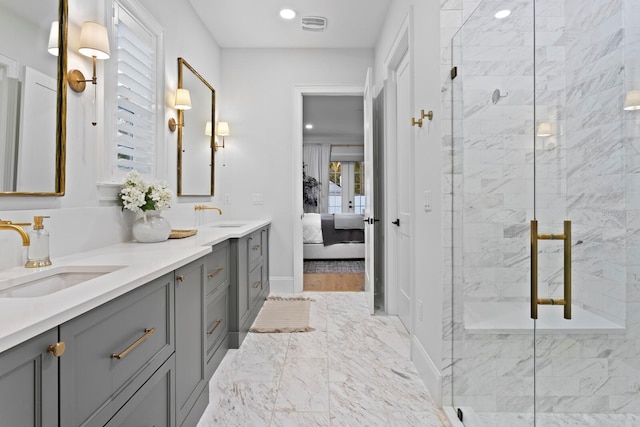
281 285
427 370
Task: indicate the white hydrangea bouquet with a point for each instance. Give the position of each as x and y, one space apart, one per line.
137 196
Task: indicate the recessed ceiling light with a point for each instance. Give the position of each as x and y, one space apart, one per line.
308 126
501 14
287 14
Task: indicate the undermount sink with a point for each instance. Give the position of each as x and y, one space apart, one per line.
228 225
52 280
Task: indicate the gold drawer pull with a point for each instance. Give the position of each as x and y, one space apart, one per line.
258 283
218 322
180 278
215 273
147 334
57 349
256 247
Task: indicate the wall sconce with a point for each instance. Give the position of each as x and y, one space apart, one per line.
223 130
207 129
182 102
52 47
94 43
544 129
632 100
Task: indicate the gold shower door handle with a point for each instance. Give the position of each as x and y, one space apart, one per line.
535 301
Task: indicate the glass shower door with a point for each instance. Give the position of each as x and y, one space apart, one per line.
545 166
493 369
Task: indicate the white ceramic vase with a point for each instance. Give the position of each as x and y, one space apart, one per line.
151 228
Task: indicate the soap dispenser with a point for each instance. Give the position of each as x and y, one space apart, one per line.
38 251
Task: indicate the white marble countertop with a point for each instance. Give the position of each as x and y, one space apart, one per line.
25 318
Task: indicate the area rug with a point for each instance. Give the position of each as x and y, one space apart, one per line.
283 315
334 266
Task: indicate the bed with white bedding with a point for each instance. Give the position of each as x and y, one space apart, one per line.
343 236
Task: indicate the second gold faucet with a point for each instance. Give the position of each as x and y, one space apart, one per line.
204 207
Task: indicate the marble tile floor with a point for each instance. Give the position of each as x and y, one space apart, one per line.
353 370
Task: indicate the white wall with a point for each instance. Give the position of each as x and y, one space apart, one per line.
424 44
79 220
258 104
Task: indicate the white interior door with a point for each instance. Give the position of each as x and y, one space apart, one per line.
369 234
403 191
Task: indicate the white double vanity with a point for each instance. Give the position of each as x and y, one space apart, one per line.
128 334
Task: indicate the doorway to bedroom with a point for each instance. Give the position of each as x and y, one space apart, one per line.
334 196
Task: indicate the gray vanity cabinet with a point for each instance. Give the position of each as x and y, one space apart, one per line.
217 311
191 381
29 383
153 404
249 282
112 350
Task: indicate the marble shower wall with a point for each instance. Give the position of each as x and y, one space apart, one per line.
589 167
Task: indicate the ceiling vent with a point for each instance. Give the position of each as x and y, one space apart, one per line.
314 23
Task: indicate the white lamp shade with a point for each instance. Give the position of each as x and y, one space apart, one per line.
53 39
207 129
94 40
223 128
544 129
632 100
183 99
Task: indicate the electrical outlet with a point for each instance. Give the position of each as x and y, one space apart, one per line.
227 198
428 201
420 310
257 199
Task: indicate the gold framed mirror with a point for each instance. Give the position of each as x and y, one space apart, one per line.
196 132
33 97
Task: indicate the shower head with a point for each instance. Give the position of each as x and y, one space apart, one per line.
495 97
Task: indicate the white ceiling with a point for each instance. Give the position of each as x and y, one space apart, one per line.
257 23
333 117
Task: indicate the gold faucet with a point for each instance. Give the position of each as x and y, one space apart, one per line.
203 207
8 225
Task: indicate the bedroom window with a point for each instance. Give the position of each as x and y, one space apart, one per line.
346 187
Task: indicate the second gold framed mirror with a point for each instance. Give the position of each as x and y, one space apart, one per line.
196 129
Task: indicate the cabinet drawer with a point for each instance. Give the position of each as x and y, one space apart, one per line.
255 247
217 267
152 405
255 284
217 320
112 350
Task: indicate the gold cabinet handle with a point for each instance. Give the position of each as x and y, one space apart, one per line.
258 283
215 273
535 301
147 333
57 349
256 247
180 278
415 122
218 322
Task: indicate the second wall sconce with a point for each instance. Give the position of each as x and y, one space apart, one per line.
182 102
223 130
94 43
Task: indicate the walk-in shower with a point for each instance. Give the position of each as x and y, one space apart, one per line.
545 186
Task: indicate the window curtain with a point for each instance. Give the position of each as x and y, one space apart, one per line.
316 160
